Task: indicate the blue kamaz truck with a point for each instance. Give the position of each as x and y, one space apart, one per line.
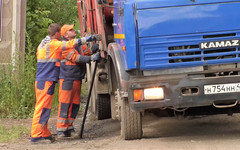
176 57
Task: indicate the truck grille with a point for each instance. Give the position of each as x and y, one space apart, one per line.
192 53
183 51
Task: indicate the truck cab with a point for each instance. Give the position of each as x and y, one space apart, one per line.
178 56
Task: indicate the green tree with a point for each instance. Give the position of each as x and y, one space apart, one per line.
38 19
62 11
44 12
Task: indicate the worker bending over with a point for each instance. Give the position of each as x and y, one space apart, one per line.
72 71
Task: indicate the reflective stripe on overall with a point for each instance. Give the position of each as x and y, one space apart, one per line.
69 69
69 103
48 59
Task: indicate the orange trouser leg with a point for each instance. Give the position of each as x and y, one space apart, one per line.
75 103
64 98
69 100
44 97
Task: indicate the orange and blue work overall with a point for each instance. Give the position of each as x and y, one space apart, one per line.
48 68
72 71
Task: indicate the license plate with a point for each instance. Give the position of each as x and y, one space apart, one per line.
222 88
219 44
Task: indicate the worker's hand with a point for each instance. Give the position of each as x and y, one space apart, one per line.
97 37
95 48
95 57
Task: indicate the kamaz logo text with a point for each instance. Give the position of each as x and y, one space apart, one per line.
219 44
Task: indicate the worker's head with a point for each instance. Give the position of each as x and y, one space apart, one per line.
68 32
54 31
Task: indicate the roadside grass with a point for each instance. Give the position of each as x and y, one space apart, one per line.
17 79
12 133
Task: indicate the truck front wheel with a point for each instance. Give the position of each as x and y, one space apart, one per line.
131 122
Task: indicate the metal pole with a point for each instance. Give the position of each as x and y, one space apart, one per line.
88 100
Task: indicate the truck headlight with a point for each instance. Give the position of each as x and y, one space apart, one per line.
148 94
153 93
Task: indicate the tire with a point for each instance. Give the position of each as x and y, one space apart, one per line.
103 106
131 123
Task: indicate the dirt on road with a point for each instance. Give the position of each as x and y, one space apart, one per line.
219 132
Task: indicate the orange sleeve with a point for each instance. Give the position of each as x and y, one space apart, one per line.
70 54
85 51
71 44
63 45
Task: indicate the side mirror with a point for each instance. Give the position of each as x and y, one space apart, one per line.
100 2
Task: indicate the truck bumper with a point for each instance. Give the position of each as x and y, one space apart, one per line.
174 92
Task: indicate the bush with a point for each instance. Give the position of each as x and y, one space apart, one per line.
17 96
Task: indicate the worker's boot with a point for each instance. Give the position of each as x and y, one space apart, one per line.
46 140
74 134
62 134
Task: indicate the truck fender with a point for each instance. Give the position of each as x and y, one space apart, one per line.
121 75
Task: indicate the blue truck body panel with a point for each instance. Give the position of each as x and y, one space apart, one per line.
188 19
150 4
161 34
131 37
119 29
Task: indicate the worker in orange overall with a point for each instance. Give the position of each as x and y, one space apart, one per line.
48 67
72 71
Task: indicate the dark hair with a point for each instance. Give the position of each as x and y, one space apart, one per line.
53 28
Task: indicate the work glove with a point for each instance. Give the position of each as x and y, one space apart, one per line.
95 48
95 57
97 37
